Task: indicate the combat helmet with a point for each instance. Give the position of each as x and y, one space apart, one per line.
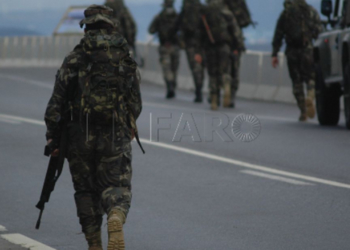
98 13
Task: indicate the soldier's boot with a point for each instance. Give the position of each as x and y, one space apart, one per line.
94 241
310 107
214 102
227 95
303 113
199 97
233 99
171 91
116 219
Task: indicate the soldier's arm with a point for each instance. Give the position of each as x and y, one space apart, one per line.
317 23
135 99
55 108
279 36
153 28
130 27
235 32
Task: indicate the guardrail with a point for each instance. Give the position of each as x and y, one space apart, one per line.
258 79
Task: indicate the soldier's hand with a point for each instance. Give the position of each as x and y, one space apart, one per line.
236 52
56 152
275 61
198 58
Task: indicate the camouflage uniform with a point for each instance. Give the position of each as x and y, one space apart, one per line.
189 24
241 12
218 52
299 56
99 152
127 25
169 49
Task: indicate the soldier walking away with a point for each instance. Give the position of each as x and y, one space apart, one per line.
242 14
127 26
299 24
220 36
169 50
189 24
97 93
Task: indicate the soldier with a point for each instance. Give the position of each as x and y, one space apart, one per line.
163 25
97 90
189 23
127 25
220 35
299 24
241 12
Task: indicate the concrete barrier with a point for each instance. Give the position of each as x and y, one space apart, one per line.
259 80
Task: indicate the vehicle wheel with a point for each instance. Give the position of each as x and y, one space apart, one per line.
347 94
327 100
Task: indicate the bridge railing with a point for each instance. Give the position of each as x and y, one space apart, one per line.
258 79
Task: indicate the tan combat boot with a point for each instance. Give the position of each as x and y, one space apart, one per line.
310 107
214 102
94 241
116 219
227 95
303 117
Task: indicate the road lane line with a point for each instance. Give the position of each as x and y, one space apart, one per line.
10 121
3 229
149 104
276 178
219 158
21 240
22 119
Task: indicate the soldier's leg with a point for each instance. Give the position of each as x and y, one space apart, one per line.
197 70
165 62
225 76
308 75
113 180
175 62
298 88
214 76
235 73
82 167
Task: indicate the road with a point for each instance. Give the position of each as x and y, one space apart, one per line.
194 188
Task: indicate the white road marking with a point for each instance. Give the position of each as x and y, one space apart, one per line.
25 242
22 119
276 178
6 120
3 229
217 158
149 104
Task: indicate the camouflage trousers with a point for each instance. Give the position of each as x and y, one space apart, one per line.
218 63
301 70
197 68
169 60
235 66
101 172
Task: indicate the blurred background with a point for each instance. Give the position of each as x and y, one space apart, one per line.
41 17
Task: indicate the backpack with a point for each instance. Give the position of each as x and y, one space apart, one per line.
217 24
103 79
240 10
166 22
299 27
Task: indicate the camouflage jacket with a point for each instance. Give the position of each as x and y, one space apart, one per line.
234 32
127 25
163 25
67 84
284 26
240 10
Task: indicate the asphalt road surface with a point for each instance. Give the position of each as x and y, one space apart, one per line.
199 186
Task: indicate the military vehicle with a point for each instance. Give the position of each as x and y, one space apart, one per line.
332 57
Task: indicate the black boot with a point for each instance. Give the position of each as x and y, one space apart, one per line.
171 92
199 98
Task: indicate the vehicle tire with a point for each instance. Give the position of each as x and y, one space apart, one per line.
327 100
347 94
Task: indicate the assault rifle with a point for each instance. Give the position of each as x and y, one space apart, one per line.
54 170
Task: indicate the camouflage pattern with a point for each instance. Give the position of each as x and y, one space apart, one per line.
235 66
218 55
301 70
188 24
240 10
99 152
98 13
169 51
127 26
300 57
